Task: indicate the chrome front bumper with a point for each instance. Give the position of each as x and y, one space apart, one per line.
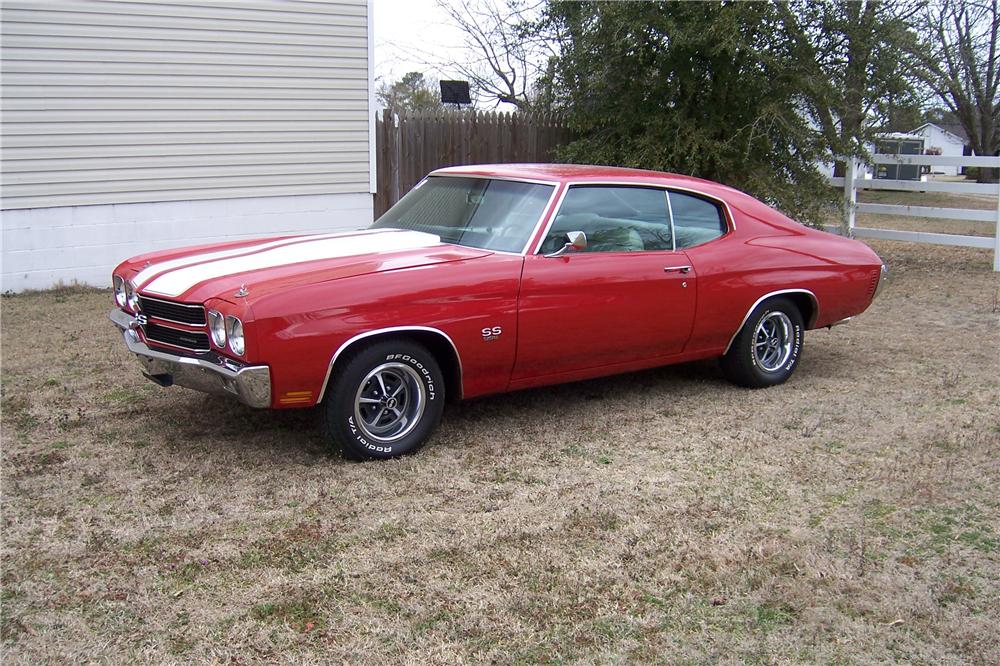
251 384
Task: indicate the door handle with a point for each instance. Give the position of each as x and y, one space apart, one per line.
678 269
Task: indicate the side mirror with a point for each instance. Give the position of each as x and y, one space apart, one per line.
575 241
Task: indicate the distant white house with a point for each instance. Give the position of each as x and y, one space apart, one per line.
938 140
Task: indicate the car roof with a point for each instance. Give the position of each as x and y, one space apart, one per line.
588 173
559 173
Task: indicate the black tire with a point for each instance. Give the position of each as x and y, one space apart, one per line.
366 415
766 350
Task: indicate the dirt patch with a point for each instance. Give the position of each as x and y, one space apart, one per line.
849 516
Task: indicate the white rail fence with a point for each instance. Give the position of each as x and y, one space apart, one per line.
851 184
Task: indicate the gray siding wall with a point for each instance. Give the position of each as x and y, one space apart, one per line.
125 102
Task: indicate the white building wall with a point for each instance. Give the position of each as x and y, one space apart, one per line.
950 145
44 247
137 125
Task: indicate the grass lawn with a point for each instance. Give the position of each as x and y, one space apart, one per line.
848 516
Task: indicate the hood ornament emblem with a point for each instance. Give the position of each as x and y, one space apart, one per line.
243 291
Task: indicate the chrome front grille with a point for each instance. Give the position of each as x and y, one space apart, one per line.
181 313
196 341
182 325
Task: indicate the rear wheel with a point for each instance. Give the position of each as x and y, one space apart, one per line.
384 400
767 347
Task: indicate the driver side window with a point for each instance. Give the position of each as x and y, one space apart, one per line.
615 219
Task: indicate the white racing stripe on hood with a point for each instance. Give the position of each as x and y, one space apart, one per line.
148 273
176 282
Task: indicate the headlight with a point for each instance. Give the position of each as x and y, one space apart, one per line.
217 324
119 284
234 327
131 296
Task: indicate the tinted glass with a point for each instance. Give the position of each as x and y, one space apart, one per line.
615 219
475 212
696 220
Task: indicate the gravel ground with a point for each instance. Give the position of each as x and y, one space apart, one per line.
848 516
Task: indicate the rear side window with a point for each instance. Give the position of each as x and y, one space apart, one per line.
696 220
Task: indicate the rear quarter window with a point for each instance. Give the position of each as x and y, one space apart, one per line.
696 220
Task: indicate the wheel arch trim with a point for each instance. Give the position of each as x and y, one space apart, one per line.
772 294
384 331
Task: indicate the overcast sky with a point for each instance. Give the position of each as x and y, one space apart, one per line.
407 29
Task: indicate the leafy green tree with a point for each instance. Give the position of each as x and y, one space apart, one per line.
413 92
709 89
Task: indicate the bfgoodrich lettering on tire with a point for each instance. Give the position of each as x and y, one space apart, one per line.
384 400
767 348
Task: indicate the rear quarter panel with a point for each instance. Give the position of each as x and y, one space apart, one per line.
769 255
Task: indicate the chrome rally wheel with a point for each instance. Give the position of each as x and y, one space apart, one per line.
384 399
766 349
390 402
773 340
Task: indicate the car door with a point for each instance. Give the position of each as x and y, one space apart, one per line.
627 297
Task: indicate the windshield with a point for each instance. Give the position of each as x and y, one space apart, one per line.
475 212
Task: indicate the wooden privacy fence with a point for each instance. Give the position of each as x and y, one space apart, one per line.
851 184
408 145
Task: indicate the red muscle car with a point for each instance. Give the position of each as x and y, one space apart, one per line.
486 279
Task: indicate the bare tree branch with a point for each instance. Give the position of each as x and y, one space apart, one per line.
960 65
508 61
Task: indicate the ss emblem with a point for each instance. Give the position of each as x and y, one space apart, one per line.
492 333
140 319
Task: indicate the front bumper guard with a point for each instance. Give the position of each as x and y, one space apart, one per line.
250 384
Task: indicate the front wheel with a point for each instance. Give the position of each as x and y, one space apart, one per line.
767 347
384 400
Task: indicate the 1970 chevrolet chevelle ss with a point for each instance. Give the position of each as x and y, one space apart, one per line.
486 279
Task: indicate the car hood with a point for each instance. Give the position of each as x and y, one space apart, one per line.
262 266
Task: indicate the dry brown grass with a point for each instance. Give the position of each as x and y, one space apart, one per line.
849 516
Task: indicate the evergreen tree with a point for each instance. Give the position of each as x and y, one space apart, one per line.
708 89
413 92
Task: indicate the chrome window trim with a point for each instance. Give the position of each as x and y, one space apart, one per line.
670 221
534 228
551 220
381 331
730 220
768 295
535 181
